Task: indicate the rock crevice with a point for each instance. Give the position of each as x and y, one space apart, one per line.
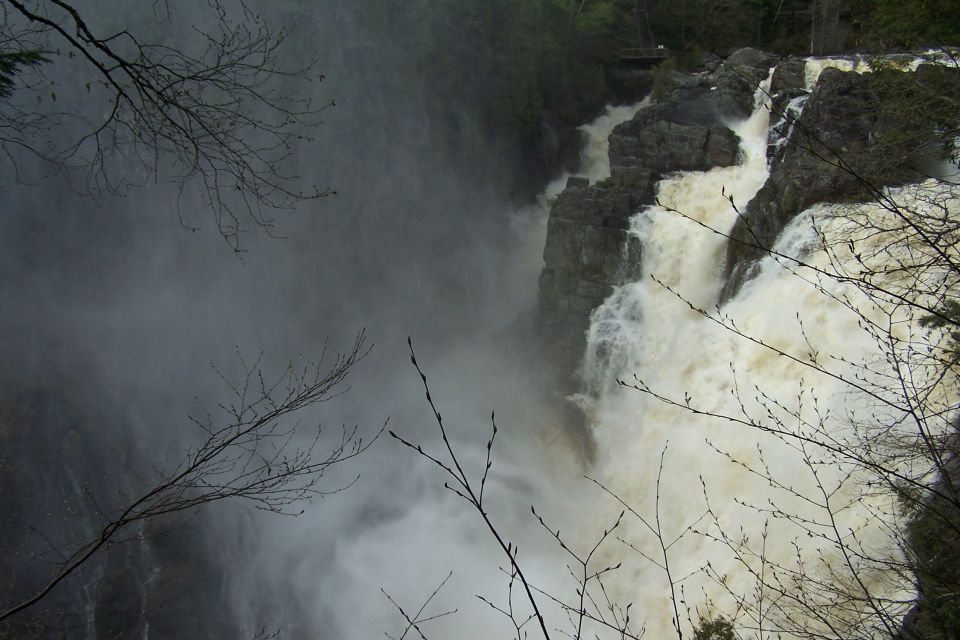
846 144
589 248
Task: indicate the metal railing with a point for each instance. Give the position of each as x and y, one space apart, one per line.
646 53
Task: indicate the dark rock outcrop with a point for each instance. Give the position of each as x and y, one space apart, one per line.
931 538
676 136
737 79
789 80
163 575
726 92
753 59
589 249
838 150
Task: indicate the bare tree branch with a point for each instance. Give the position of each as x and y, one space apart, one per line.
255 454
219 112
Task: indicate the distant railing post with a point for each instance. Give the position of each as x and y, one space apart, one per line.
645 53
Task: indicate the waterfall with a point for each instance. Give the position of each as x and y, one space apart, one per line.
530 223
114 305
863 64
718 489
594 158
696 269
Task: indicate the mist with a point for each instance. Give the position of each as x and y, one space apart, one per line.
129 312
117 307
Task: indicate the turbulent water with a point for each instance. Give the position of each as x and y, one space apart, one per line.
680 444
117 302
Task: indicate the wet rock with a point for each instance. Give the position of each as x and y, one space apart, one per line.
753 58
163 576
789 77
588 252
664 140
838 151
737 79
589 248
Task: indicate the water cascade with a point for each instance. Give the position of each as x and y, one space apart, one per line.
717 492
119 313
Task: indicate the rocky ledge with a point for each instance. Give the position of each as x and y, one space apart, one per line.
589 249
851 136
856 134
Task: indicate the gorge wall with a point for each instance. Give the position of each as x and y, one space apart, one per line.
176 584
588 249
831 140
719 375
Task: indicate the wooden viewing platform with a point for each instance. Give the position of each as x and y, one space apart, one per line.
644 55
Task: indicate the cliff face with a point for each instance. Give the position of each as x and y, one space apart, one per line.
846 143
589 249
587 253
832 144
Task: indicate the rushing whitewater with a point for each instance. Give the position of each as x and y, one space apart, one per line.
530 223
733 504
594 152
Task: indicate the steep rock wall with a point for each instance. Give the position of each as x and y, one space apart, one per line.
832 144
848 142
589 250
162 576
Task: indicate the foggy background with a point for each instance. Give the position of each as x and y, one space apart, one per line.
113 312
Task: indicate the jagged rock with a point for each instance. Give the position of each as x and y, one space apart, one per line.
663 146
726 92
789 81
786 86
709 62
737 79
674 136
735 89
753 58
789 76
588 251
842 119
